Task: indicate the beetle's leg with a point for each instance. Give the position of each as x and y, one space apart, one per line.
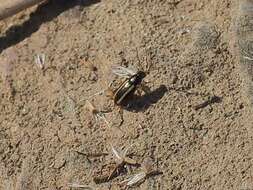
109 93
148 63
145 88
138 57
108 110
138 91
121 116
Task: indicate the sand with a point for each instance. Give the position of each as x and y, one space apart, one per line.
194 126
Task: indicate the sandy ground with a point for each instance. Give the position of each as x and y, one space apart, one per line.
195 126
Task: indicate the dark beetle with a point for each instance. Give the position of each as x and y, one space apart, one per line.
128 87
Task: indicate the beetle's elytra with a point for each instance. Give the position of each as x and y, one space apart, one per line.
128 87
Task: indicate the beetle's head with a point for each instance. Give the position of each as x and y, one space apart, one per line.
141 74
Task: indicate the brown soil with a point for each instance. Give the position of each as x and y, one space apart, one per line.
195 125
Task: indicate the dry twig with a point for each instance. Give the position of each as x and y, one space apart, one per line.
76 185
96 113
121 159
138 178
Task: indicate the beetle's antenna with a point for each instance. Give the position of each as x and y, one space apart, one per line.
139 61
148 62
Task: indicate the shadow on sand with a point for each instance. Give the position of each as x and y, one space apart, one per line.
44 13
141 103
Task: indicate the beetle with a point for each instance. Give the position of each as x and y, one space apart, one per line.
133 79
128 87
